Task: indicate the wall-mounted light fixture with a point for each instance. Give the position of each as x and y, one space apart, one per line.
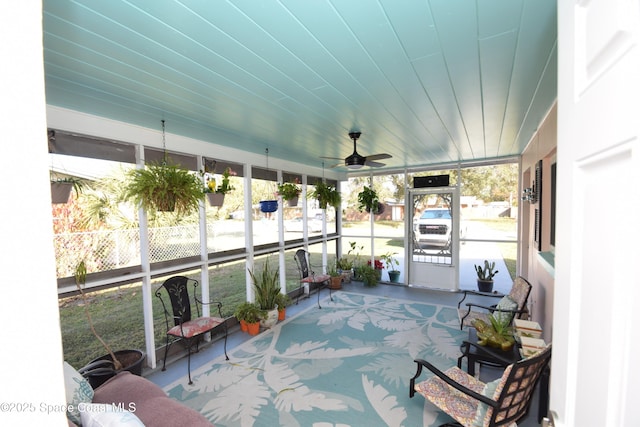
527 195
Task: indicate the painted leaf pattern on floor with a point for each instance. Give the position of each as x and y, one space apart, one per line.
348 364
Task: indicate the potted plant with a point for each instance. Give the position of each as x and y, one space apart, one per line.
283 301
240 314
497 334
485 276
266 288
215 194
326 195
289 192
369 275
61 188
391 263
368 200
164 187
253 315
336 278
130 360
345 268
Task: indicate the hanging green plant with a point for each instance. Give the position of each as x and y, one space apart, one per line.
326 195
368 200
288 190
164 187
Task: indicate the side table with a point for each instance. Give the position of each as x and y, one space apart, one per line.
476 353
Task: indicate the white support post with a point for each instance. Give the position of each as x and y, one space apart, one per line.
147 303
248 230
204 251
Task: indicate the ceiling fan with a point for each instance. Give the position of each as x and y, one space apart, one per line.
355 160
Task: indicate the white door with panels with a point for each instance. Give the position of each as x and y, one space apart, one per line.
595 377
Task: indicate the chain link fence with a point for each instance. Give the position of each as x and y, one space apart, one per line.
113 249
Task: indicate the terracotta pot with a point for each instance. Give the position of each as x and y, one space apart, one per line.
336 282
282 314
253 328
243 325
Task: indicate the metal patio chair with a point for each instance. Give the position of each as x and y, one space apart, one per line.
184 324
473 403
308 276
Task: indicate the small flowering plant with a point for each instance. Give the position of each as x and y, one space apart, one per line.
377 265
225 187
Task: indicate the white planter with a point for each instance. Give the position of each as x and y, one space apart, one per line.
272 319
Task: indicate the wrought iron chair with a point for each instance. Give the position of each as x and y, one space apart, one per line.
513 304
308 276
473 403
181 322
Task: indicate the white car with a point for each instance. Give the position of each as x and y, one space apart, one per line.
433 228
293 225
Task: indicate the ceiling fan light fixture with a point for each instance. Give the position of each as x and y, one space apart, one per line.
354 161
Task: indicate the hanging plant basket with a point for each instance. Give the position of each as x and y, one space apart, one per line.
293 202
60 192
378 210
215 199
164 187
268 206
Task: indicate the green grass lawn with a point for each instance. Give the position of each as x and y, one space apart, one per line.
118 312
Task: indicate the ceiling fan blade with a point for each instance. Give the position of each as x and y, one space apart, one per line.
331 158
336 165
379 156
373 164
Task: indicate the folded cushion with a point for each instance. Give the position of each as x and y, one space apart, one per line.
77 390
505 303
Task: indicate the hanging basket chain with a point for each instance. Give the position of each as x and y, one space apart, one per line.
164 145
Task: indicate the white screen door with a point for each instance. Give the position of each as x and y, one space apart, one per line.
434 230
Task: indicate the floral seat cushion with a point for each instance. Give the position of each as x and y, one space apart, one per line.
463 408
318 278
195 327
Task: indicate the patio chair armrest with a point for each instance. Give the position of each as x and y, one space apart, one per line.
494 294
486 307
218 303
423 363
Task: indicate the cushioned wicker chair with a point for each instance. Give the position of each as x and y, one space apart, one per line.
181 323
473 403
513 305
308 276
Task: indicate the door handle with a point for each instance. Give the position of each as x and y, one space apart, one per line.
550 420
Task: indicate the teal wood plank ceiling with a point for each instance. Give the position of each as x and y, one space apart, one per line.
429 82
